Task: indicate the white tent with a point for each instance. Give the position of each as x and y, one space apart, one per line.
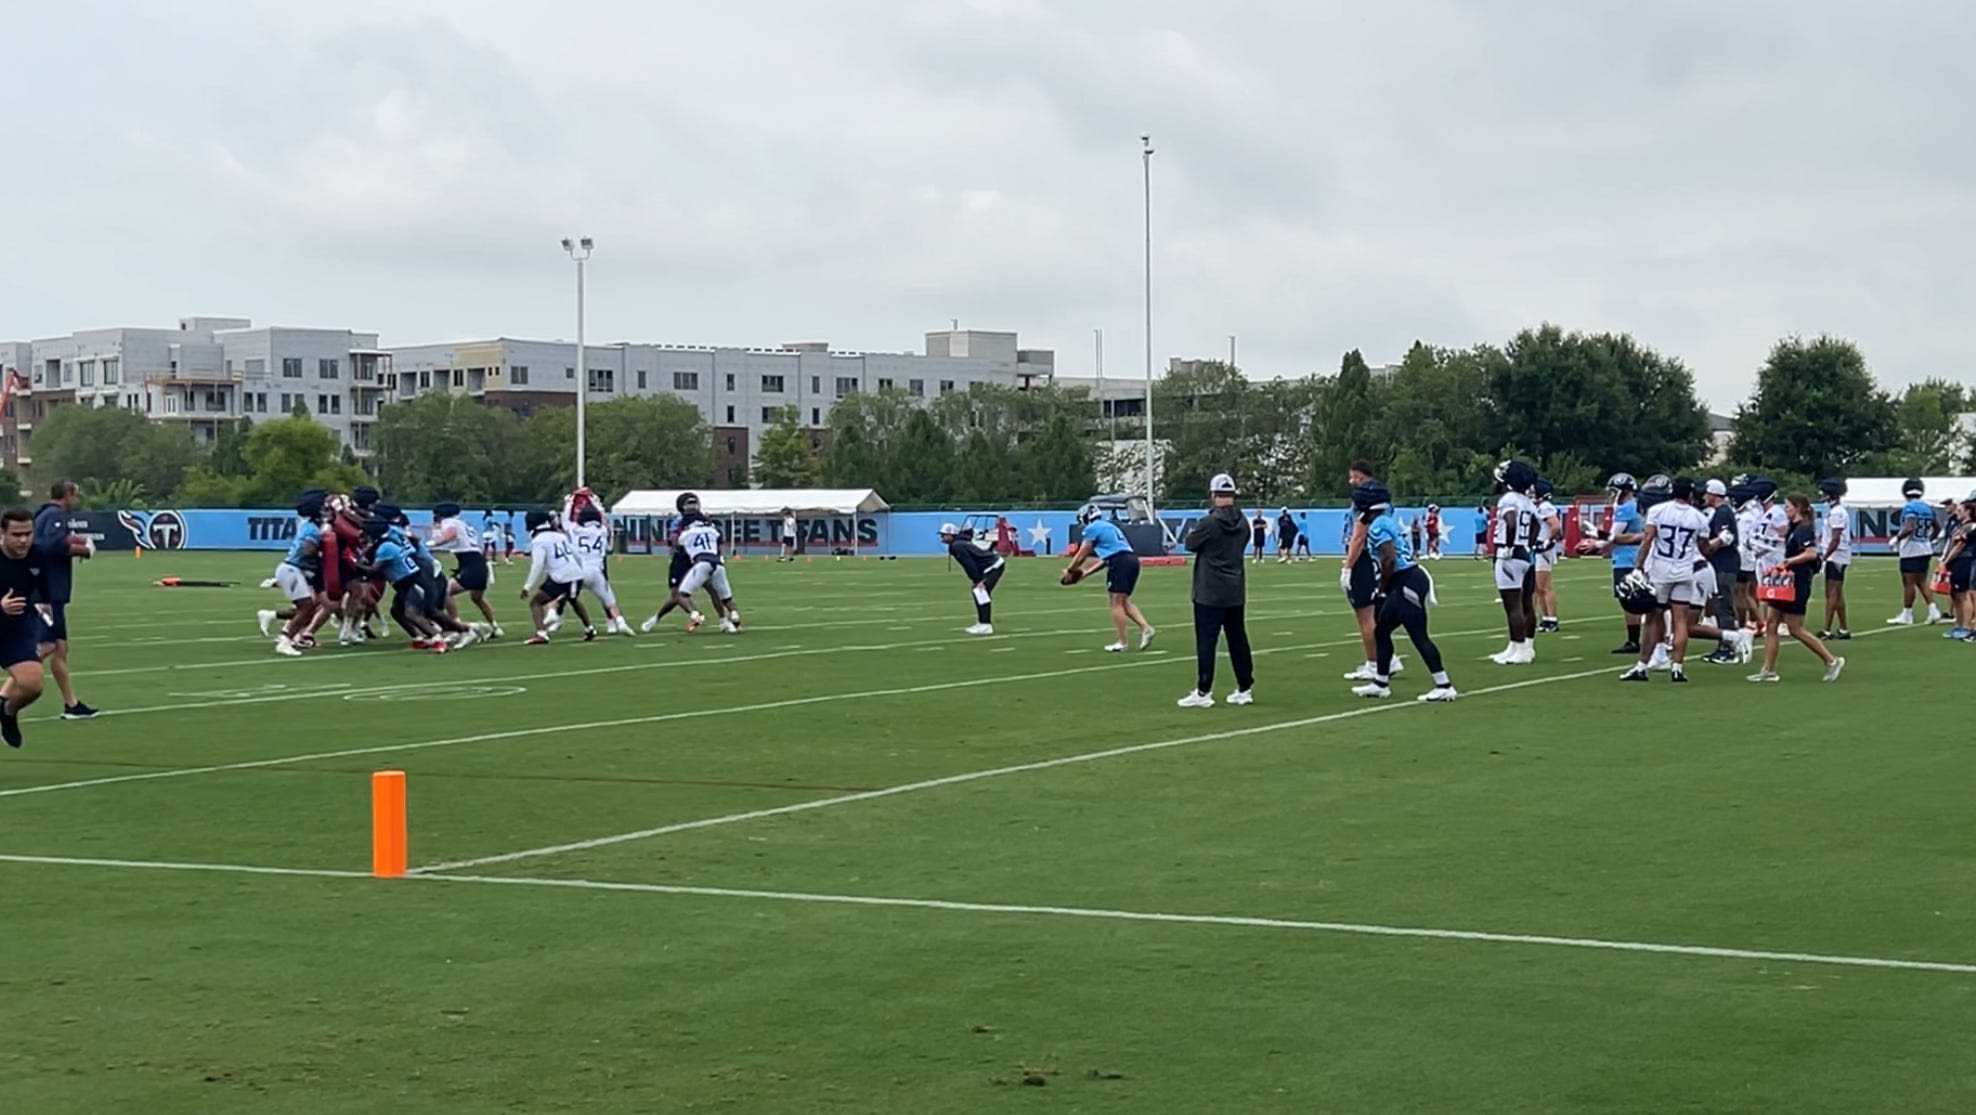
1883 491
756 502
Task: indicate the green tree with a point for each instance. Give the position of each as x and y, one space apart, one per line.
1816 411
288 455
444 446
203 487
1347 425
1057 464
1200 414
86 444
1434 424
1928 425
923 461
228 456
11 485
657 441
785 457
1604 398
157 460
864 433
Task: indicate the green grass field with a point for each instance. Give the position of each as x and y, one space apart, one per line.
686 889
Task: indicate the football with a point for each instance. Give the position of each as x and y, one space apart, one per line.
1071 576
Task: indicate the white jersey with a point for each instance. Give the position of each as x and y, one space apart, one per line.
701 541
1546 511
592 542
464 539
1516 524
789 527
1678 529
1748 518
1773 524
551 557
1837 518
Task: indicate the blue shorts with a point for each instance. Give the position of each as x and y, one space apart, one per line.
56 627
1122 573
18 643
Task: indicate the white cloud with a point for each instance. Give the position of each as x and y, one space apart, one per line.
1708 177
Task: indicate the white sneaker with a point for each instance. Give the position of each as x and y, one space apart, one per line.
495 632
269 583
1934 614
1905 619
1399 667
265 617
1196 700
553 622
1661 660
1745 647
650 625
1765 675
287 649
1146 640
1832 671
1528 653
1505 656
1439 693
1115 648
467 638
1367 672
1372 689
1241 697
730 627
982 629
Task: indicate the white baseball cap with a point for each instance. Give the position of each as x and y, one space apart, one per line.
1717 488
949 528
1222 485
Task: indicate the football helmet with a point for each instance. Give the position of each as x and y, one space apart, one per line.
1621 482
1636 594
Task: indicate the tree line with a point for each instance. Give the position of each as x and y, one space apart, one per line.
1580 406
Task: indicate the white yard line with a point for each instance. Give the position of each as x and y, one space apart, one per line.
1018 910
975 776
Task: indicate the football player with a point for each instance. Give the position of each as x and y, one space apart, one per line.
1620 540
20 624
1726 563
471 574
298 574
1960 562
1916 546
1550 534
591 535
1404 593
1516 575
701 540
983 569
1672 539
553 573
1359 577
676 572
1837 557
1104 545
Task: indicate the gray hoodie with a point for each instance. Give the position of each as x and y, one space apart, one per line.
1219 539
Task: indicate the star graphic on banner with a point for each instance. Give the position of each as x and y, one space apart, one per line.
1039 534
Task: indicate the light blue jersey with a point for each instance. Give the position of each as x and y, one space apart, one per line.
397 559
1106 539
306 533
1386 530
1626 520
1920 542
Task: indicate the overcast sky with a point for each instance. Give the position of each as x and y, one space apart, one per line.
1706 175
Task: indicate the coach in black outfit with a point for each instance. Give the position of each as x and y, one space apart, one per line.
1218 540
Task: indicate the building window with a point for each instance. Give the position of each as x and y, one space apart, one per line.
425 380
88 373
641 379
287 402
518 375
771 385
730 381
171 403
730 418
112 371
329 368
685 381
916 388
730 447
68 372
816 385
946 387
816 416
291 367
603 379
885 385
846 385
336 404
459 377
569 372
768 416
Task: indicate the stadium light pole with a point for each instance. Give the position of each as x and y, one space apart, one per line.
579 251
1146 163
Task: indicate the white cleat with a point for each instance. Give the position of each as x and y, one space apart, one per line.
1115 648
287 649
1196 699
1505 656
982 629
1241 697
650 625
473 634
554 622
1439 693
730 627
1832 671
1146 640
265 617
1661 661
1363 673
494 632
1905 619
1745 647
1372 689
269 583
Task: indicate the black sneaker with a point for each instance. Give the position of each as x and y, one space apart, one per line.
1841 636
10 726
78 711
1637 673
589 634
1824 634
1629 648
1680 677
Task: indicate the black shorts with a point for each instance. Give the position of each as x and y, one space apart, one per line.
1122 573
1960 572
1260 539
56 627
1915 566
1619 575
1795 606
1746 576
19 639
1835 572
471 572
558 590
1365 582
676 572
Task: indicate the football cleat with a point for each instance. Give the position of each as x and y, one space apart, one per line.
1439 693
1241 697
1196 699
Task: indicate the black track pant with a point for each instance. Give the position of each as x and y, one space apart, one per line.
984 613
1209 625
1405 607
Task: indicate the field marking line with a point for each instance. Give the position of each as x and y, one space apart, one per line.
1148 659
974 776
1362 929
